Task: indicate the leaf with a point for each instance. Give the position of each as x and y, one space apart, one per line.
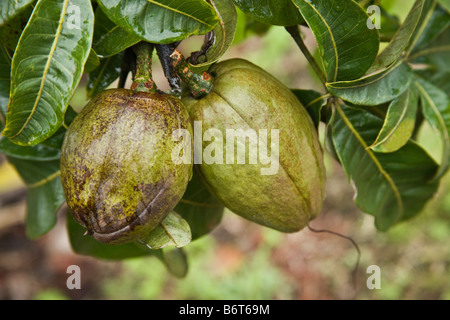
436 110
389 25
347 46
161 21
45 194
390 186
57 139
433 21
399 124
276 12
175 261
87 245
5 70
11 30
223 32
110 39
92 62
172 231
104 75
400 40
10 8
36 153
313 103
199 208
435 57
46 68
374 89
445 4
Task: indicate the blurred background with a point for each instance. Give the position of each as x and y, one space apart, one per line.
239 259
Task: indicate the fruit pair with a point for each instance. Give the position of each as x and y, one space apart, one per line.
119 178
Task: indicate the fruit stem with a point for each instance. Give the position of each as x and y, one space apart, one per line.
199 84
143 78
295 34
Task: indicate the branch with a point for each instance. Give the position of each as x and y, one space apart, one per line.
294 32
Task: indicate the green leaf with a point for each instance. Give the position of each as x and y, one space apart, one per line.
389 25
57 139
347 46
161 21
5 81
435 55
435 58
399 123
87 245
199 208
390 186
43 202
11 30
36 153
433 21
92 62
110 39
172 231
104 75
400 40
276 12
45 194
223 32
445 4
313 103
10 8
175 261
46 68
436 110
374 89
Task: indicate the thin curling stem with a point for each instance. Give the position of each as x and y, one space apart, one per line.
353 242
143 80
199 84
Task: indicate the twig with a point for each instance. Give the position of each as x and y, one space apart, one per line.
295 33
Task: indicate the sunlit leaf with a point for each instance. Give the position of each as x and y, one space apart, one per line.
399 124
172 231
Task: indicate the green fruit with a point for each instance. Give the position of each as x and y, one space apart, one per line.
246 97
116 168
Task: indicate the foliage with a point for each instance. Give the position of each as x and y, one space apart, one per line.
379 88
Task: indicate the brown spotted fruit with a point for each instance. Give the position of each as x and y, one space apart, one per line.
117 172
279 182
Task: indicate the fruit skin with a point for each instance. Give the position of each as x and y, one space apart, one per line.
245 96
116 169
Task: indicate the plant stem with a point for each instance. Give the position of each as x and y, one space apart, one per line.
294 32
199 84
143 79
